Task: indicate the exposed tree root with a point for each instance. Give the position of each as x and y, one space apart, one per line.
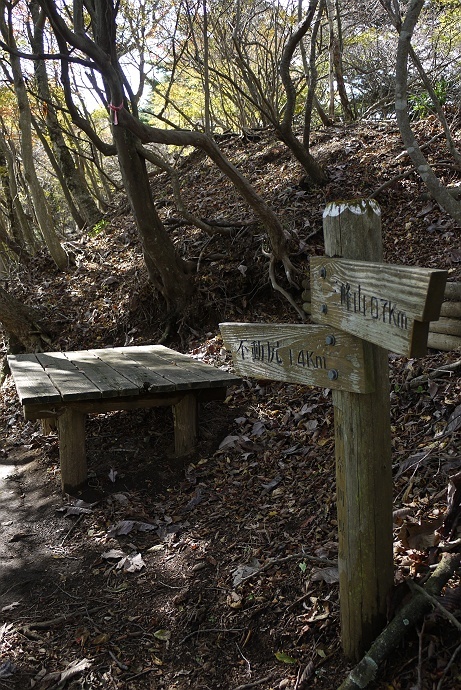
445 369
280 289
408 616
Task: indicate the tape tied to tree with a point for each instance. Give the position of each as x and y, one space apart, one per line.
115 109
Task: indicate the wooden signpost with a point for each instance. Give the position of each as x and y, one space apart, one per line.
366 308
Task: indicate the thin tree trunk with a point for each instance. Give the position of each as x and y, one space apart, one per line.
285 128
60 175
75 183
19 223
44 219
166 269
435 187
336 62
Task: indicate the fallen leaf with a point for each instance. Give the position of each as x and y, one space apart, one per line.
234 600
420 536
272 484
113 475
282 656
74 668
244 571
454 420
228 442
131 563
113 553
126 526
328 575
10 607
164 635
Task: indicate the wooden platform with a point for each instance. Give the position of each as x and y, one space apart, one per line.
65 386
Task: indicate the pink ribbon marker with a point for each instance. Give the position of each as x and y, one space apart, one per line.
115 109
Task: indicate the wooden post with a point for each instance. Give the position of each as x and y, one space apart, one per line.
352 230
185 425
71 429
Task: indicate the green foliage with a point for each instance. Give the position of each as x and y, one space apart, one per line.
421 105
98 228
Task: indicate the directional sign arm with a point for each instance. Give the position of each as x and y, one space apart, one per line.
385 304
296 353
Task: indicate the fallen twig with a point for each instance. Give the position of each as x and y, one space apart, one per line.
436 603
211 630
408 616
53 622
74 525
254 683
446 369
275 561
447 667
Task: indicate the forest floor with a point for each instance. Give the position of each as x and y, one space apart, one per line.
232 583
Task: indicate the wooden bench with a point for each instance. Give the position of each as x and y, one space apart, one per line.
66 386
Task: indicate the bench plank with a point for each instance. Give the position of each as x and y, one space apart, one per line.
203 372
65 386
70 382
32 383
183 378
141 377
109 381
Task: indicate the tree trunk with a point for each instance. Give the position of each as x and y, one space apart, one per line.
166 269
435 187
22 323
285 127
20 226
75 182
44 219
336 62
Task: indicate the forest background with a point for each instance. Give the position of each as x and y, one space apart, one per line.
101 97
165 166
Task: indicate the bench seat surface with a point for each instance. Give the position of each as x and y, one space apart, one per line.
60 377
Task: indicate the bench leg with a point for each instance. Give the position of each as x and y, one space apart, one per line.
185 425
48 426
71 427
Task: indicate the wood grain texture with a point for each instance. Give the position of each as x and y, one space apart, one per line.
65 386
31 381
384 304
296 353
53 377
66 377
446 343
363 459
185 426
71 430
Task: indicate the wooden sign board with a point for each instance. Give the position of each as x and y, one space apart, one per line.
296 353
385 304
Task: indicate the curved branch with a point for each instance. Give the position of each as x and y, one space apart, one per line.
189 217
283 292
285 63
35 57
